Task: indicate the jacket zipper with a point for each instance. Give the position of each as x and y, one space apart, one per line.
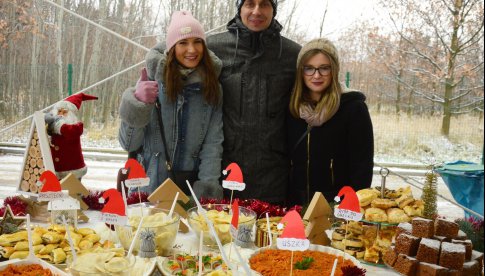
331 172
308 168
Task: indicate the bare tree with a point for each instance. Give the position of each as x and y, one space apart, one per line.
444 58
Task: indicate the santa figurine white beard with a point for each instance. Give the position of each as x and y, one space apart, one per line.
66 131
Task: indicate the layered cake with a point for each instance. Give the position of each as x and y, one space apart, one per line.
452 256
423 228
407 244
406 265
426 269
428 251
446 228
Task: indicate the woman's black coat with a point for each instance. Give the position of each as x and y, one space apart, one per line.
341 152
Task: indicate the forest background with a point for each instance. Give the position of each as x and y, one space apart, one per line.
419 63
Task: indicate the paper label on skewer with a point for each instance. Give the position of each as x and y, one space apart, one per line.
233 185
137 182
49 196
113 219
68 203
347 214
292 244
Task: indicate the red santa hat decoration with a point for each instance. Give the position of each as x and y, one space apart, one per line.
349 208
234 179
50 187
293 236
114 210
137 176
73 102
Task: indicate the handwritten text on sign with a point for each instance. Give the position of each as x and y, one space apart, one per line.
233 185
48 196
292 244
137 182
113 219
347 214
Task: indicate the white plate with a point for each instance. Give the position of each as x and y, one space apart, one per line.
56 271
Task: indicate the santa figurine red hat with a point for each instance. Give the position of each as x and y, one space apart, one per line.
73 102
66 129
234 179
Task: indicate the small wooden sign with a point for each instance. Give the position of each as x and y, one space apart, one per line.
163 197
317 215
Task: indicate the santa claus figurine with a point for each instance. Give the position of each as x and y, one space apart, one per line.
66 129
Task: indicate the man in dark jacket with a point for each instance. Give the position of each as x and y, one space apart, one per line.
257 78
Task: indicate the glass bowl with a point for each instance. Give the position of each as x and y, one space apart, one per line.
101 264
221 215
157 234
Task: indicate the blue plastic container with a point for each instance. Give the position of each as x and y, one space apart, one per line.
465 181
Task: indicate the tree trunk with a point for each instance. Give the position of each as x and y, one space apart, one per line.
60 24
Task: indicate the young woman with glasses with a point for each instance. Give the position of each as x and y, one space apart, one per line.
329 128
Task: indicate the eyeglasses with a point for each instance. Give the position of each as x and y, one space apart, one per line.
323 71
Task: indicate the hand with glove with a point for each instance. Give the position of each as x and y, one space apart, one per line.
208 189
146 90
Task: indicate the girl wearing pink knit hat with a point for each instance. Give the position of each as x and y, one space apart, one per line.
174 115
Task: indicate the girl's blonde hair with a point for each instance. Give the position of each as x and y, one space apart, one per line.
330 100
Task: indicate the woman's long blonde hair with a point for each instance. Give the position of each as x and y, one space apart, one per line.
330 100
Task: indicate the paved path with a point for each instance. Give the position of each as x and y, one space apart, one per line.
102 175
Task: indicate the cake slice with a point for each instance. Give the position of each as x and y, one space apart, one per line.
426 269
423 228
446 228
390 256
452 256
468 247
428 251
407 244
406 265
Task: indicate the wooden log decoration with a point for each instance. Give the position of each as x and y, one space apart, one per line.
25 185
37 157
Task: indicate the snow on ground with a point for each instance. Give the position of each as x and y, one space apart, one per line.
102 175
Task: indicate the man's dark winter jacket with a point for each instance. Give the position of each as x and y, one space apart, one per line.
341 152
257 78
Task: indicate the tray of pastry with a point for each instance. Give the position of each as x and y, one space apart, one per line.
366 242
389 207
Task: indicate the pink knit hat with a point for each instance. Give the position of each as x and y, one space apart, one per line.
183 25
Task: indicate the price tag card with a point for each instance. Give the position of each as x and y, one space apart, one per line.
347 214
137 182
110 218
49 196
233 185
292 244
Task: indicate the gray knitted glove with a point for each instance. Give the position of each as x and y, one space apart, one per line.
208 190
